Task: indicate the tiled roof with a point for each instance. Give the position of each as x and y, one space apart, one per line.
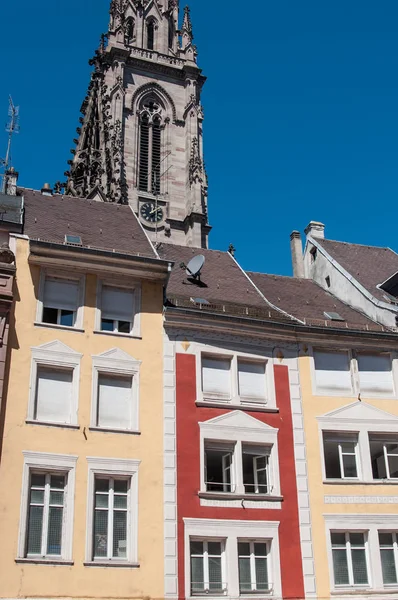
307 301
223 282
101 225
369 265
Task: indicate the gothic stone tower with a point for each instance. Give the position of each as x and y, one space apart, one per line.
140 137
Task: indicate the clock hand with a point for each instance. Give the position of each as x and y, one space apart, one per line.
155 210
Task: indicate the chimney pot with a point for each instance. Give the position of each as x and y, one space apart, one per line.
297 254
46 190
315 229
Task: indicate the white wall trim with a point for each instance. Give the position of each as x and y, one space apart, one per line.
49 462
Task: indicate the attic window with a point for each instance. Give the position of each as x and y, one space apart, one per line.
327 281
333 316
73 240
313 253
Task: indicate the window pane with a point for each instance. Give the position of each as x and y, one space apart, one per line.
57 498
375 374
216 374
350 465
114 402
107 325
252 383
197 575
57 482
35 528
120 534
338 539
359 566
244 549
388 566
54 395
215 579
332 460
214 548
332 372
120 501
38 480
100 533
54 538
377 458
357 539
67 318
50 315
121 486
244 575
101 485
340 567
385 539
117 304
261 574
197 548
393 466
37 497
260 549
124 327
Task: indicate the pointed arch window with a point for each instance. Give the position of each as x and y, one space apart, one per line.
150 34
130 31
150 147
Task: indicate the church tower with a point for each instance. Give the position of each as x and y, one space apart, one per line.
140 139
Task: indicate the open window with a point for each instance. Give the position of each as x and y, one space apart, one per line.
219 476
341 455
256 469
384 456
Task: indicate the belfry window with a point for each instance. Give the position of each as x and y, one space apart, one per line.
150 34
150 147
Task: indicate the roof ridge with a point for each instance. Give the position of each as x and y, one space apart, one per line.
320 240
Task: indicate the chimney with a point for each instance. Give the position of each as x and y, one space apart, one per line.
297 254
11 178
46 190
315 230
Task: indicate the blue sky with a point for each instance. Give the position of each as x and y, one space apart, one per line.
301 108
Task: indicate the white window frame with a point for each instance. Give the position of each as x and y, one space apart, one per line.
203 351
237 429
354 372
339 422
116 362
231 531
394 548
253 576
51 274
339 440
134 287
386 455
55 355
205 557
48 463
114 468
370 524
348 551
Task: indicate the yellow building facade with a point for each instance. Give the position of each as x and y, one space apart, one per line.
350 413
81 486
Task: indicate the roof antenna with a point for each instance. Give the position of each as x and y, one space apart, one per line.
11 128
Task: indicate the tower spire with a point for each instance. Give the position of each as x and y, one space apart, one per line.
187 29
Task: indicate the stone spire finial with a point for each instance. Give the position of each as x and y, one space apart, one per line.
187 30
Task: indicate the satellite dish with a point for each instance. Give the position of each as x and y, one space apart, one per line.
195 266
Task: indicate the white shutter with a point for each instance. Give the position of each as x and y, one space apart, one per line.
61 294
54 395
216 376
375 374
117 304
332 372
252 383
114 402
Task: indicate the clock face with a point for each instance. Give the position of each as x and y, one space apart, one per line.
150 213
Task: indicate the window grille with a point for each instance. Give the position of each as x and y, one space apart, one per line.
111 500
144 153
350 563
389 557
253 567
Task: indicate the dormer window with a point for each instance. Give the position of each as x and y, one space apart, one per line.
150 34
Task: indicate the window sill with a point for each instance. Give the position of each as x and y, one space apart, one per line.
110 430
346 592
45 561
229 404
50 424
358 482
110 563
133 336
232 496
55 326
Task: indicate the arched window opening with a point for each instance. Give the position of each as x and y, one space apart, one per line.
171 33
130 31
144 153
156 141
150 33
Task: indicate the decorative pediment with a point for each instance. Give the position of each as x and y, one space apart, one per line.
359 412
238 419
117 354
56 346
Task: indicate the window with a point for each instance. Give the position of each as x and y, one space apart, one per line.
115 395
253 567
332 373
234 379
110 518
150 33
375 374
207 570
223 472
47 507
118 309
216 377
54 395
384 456
46 515
389 557
60 300
350 563
115 402
54 385
113 511
341 455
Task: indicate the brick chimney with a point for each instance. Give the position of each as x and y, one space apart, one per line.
315 230
296 248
